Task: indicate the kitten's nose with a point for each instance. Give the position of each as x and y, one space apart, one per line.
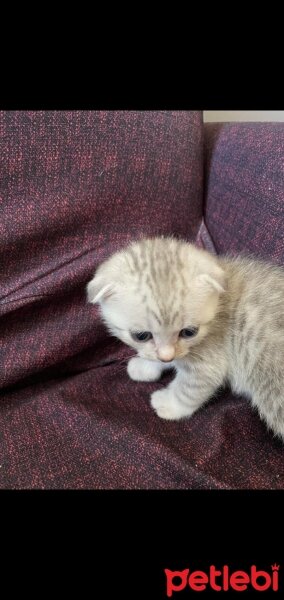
166 354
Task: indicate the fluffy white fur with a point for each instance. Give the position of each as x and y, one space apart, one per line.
234 306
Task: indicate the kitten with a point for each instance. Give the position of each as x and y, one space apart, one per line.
215 320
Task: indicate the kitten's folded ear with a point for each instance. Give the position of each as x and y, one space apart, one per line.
215 279
107 280
98 290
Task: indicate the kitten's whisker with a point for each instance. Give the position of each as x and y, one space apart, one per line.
126 359
120 365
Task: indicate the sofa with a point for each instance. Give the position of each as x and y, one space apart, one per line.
75 186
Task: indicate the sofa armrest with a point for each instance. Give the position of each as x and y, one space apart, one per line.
244 189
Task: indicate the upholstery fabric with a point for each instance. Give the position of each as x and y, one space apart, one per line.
244 210
74 187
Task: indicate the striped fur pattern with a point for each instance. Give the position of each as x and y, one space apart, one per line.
233 309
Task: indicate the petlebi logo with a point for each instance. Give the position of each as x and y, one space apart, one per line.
222 579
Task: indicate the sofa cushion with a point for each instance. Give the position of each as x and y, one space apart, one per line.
244 199
96 430
69 415
76 186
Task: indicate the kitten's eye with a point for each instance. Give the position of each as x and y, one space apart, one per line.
188 332
142 336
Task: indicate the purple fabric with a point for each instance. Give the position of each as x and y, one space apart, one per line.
75 186
96 429
244 188
204 240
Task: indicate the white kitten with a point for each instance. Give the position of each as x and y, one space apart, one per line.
215 320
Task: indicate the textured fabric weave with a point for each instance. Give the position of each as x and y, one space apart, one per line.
97 430
74 187
245 188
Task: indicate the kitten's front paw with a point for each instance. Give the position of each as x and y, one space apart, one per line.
140 369
166 405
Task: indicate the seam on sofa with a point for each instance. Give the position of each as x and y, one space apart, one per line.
204 239
33 280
